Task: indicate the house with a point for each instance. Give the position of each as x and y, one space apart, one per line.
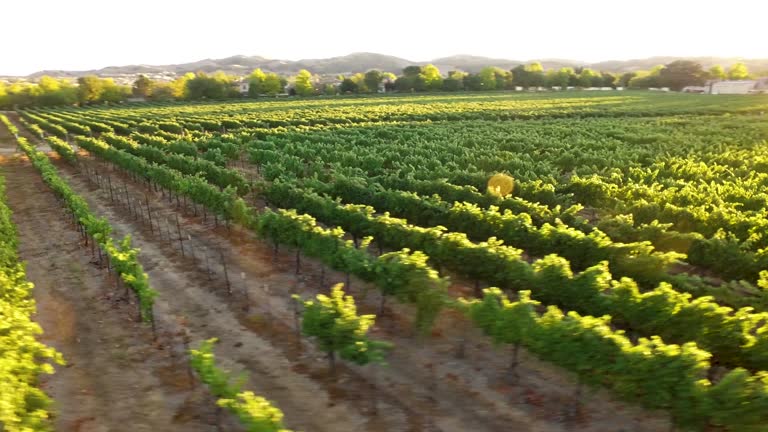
759 86
242 86
694 89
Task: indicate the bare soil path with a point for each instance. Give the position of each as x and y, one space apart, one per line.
115 376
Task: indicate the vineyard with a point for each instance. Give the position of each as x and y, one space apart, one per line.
343 265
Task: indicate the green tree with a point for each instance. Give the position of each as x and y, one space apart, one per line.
738 71
681 73
256 82
48 84
359 80
303 83
337 328
411 80
488 78
112 92
50 91
329 90
430 74
531 75
716 72
162 92
473 82
608 79
89 89
412 71
348 86
179 86
142 87
372 80
4 99
560 78
519 76
646 79
455 81
551 78
589 78
204 86
272 84
535 74
625 78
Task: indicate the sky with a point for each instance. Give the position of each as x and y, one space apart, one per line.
88 34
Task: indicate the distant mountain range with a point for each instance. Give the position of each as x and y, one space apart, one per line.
361 62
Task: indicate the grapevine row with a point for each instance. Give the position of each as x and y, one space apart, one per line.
23 406
734 337
255 413
122 256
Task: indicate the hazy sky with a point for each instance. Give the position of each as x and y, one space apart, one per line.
89 34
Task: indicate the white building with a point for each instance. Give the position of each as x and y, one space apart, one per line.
739 87
242 86
694 89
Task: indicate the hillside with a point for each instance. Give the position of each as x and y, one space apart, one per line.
361 62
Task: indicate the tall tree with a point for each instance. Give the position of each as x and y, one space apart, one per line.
589 78
646 79
681 73
608 79
519 76
112 92
256 82
557 78
204 86
455 81
411 80
163 92
473 82
89 89
738 71
535 74
430 74
359 80
412 71
348 86
530 75
487 77
142 87
625 78
4 99
716 72
272 84
372 80
303 83
50 91
329 90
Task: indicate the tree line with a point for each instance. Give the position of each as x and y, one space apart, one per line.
91 89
